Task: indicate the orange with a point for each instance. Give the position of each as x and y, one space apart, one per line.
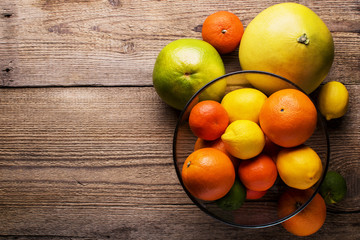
218 144
259 173
208 120
223 30
252 195
288 117
310 219
208 174
270 148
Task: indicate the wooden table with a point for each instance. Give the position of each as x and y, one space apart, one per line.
86 143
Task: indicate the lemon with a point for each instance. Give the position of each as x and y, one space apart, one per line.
333 100
244 104
299 167
290 40
243 139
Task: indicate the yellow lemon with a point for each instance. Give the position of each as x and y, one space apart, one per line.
299 167
244 104
243 139
333 100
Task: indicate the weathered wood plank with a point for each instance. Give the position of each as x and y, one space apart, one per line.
162 222
96 163
93 42
75 164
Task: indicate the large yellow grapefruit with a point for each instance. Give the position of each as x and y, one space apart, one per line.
290 40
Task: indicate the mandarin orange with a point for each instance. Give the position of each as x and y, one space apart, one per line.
223 30
208 174
208 120
218 144
310 219
259 173
271 149
252 195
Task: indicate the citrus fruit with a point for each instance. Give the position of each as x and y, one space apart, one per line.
208 174
299 167
253 195
218 144
243 139
333 100
244 103
223 30
288 117
234 199
208 120
270 148
259 173
307 221
183 67
333 189
290 40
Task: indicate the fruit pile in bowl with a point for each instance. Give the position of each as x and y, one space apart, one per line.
252 159
250 147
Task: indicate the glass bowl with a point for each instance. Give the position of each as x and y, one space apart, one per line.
253 213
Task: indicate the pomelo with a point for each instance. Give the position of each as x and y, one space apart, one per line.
290 40
183 67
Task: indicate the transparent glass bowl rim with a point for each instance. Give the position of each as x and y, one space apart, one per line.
193 199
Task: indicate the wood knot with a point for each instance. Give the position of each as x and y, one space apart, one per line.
7 15
6 78
198 28
128 47
115 3
7 70
59 29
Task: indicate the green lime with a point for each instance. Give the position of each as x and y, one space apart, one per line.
333 189
234 199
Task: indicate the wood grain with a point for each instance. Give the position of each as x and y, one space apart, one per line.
85 142
115 42
76 165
